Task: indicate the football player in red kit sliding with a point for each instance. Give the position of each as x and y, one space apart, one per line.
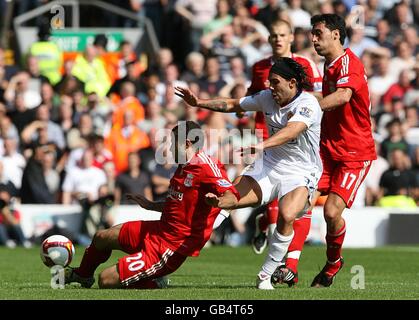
346 142
158 248
280 38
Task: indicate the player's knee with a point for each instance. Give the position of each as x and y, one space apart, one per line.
100 239
288 215
108 281
331 212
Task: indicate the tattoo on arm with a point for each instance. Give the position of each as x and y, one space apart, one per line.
215 105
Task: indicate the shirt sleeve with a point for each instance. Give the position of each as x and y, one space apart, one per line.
214 177
253 102
350 76
307 113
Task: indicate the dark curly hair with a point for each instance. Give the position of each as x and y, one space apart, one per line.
288 69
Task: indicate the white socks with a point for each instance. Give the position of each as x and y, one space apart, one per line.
278 248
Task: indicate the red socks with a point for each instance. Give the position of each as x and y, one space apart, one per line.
270 217
301 230
92 258
334 249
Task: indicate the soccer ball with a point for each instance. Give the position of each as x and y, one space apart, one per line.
57 250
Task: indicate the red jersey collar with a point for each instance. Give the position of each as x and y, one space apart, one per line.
334 61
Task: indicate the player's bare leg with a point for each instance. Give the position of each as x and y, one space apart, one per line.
99 251
109 278
336 230
290 205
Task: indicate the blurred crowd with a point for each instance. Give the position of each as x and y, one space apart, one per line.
83 130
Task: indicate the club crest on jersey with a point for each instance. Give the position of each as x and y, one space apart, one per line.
306 112
289 115
224 183
343 80
188 180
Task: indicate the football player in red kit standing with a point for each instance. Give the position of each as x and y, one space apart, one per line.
346 142
158 248
280 38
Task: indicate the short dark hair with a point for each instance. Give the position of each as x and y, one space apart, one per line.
332 22
288 69
191 131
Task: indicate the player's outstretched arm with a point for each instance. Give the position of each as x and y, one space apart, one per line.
219 104
338 98
290 132
145 203
227 201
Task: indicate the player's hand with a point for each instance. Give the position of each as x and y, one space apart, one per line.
240 114
251 150
212 199
139 199
187 96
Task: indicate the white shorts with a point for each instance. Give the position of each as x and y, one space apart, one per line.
276 184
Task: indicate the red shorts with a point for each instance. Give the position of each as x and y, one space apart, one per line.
149 257
343 178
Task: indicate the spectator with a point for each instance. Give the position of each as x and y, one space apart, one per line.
395 139
197 15
10 229
372 181
130 76
154 119
383 77
123 140
195 62
133 181
404 59
161 180
83 181
299 17
221 19
48 54
398 89
20 115
396 181
51 174
54 132
65 114
32 67
14 163
6 183
20 84
269 12
68 83
128 102
89 69
77 137
212 81
383 36
34 186
414 192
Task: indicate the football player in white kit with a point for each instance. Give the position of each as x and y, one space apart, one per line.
290 166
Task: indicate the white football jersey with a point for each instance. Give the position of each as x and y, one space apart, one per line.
301 154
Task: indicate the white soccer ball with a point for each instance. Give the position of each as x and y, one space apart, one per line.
57 250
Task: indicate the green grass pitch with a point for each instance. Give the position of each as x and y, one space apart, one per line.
228 273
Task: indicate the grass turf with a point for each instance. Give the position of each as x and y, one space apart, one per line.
228 274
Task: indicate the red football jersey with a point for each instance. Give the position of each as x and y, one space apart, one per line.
186 220
260 75
346 131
